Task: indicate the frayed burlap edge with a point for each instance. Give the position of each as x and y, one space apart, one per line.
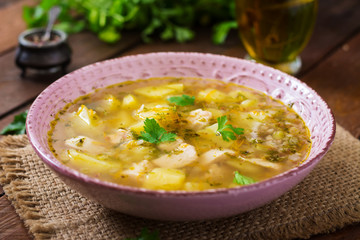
14 180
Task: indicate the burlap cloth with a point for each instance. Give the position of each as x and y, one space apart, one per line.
327 199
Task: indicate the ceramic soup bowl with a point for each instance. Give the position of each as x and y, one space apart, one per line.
182 205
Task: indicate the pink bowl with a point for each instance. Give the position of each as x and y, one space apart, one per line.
181 205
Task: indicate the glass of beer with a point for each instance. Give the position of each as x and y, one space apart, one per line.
274 32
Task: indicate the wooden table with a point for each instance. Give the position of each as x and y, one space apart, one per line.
331 65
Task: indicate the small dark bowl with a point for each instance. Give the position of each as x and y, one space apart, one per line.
49 56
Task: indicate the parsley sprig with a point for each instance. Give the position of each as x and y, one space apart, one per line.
225 134
17 126
154 133
242 180
184 100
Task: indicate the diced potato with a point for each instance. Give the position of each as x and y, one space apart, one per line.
121 119
87 115
90 164
165 179
135 151
248 103
130 102
180 157
241 95
137 127
215 112
212 95
196 186
278 135
210 133
176 86
159 91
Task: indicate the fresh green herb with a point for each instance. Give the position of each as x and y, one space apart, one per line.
227 134
184 100
17 126
242 180
166 19
154 133
146 235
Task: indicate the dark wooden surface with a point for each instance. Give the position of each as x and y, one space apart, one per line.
331 65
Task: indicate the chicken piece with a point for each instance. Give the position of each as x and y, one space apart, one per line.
215 155
86 144
120 136
170 146
180 157
262 162
138 169
198 119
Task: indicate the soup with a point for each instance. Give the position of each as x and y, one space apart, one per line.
179 134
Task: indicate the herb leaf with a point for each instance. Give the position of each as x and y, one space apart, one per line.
17 126
146 235
184 100
154 133
226 135
242 180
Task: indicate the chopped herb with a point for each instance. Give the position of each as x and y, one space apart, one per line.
146 235
290 105
80 143
154 133
184 100
17 126
273 156
242 180
245 152
227 134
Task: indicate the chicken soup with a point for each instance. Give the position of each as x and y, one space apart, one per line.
179 134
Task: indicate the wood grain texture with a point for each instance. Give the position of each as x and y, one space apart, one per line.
337 80
11 226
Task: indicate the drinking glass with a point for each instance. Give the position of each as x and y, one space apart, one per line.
274 32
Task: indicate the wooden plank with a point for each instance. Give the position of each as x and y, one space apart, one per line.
12 23
336 22
11 226
337 80
86 49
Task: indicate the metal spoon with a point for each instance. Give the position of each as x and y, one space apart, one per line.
53 14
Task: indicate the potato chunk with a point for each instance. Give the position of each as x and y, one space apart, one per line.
160 91
90 164
180 157
164 178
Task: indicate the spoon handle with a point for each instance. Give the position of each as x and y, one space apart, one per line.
53 14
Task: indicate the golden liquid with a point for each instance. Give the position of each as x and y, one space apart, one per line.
275 31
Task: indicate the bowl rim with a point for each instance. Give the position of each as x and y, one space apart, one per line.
61 169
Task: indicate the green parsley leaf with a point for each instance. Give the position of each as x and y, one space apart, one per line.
242 180
226 135
17 126
146 235
154 133
184 100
